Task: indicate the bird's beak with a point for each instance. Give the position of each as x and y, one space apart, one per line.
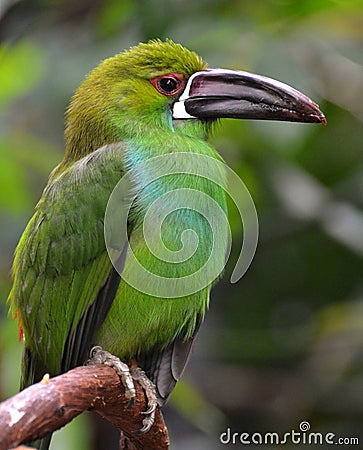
220 93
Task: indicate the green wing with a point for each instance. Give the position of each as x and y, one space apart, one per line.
64 282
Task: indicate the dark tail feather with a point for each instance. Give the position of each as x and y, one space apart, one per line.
165 367
45 442
42 444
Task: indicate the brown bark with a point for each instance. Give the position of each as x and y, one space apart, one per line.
47 406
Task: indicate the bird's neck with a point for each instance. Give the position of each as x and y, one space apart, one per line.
86 131
89 128
186 138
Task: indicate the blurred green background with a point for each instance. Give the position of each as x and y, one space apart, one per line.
285 344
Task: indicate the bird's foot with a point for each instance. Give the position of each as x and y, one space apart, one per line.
127 376
152 401
100 356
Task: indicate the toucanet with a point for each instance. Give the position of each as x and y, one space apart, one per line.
157 99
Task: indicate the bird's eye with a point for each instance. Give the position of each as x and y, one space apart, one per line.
169 84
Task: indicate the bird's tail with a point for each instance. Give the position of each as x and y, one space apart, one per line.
32 371
42 444
45 442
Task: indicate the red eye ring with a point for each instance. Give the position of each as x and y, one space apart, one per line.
169 84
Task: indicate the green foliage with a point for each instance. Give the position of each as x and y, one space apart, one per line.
114 15
21 159
16 77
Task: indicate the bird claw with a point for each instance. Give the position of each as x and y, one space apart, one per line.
127 376
152 401
130 403
147 425
100 356
151 409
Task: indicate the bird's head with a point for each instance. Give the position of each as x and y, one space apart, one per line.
162 84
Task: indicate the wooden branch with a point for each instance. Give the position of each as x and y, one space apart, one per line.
49 405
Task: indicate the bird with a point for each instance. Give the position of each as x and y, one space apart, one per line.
155 100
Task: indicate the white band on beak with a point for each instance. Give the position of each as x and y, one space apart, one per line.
179 111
